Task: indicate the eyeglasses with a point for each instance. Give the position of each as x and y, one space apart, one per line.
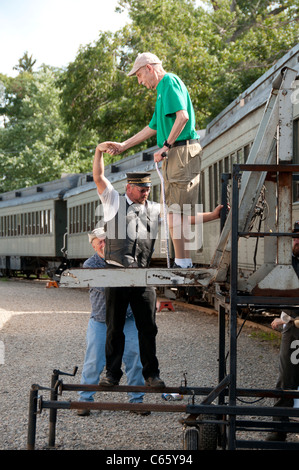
142 189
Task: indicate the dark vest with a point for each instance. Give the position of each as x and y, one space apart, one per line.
131 234
295 263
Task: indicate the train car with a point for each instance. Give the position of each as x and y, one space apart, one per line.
44 224
228 140
33 224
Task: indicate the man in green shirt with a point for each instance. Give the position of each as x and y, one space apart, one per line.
173 122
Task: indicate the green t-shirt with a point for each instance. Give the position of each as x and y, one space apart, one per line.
172 96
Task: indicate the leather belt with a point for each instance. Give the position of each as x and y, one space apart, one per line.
185 142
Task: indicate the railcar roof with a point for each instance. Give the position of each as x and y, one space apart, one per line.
41 192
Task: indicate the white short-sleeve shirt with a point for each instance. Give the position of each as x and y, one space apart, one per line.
110 201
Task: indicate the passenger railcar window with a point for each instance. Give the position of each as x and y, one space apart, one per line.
246 152
98 213
33 224
84 217
26 224
93 209
77 219
216 182
233 158
296 157
70 221
37 223
29 223
156 193
240 156
202 190
220 171
226 165
211 192
50 221
22 225
88 210
80 218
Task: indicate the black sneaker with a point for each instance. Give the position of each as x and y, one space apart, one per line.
276 436
154 382
180 267
141 413
84 412
108 381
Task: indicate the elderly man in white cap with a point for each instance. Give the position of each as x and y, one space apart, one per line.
173 122
95 359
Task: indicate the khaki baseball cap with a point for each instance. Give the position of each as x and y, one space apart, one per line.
142 60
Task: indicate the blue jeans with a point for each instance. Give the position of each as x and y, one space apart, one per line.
95 358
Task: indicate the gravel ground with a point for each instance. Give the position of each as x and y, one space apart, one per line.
44 329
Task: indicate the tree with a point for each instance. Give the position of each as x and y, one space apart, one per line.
245 39
53 119
218 51
25 64
30 139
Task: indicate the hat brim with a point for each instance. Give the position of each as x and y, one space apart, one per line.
133 71
146 185
143 64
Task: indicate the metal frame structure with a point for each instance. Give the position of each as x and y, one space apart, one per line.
267 300
227 412
257 291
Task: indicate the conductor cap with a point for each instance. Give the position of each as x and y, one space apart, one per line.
139 178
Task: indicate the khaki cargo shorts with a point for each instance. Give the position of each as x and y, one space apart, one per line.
181 173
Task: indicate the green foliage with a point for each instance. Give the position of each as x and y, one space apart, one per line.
25 64
218 51
29 140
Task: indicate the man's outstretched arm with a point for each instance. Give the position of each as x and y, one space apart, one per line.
98 169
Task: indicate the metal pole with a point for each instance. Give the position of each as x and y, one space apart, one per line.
233 306
221 358
32 418
53 411
165 215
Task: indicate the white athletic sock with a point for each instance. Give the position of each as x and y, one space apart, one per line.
184 263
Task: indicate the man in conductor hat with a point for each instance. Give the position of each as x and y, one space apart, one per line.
131 224
173 123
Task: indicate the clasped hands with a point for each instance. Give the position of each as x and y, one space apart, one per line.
115 148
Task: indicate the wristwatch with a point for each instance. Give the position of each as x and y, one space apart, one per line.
166 144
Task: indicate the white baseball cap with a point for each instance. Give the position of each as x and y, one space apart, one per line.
98 232
142 60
